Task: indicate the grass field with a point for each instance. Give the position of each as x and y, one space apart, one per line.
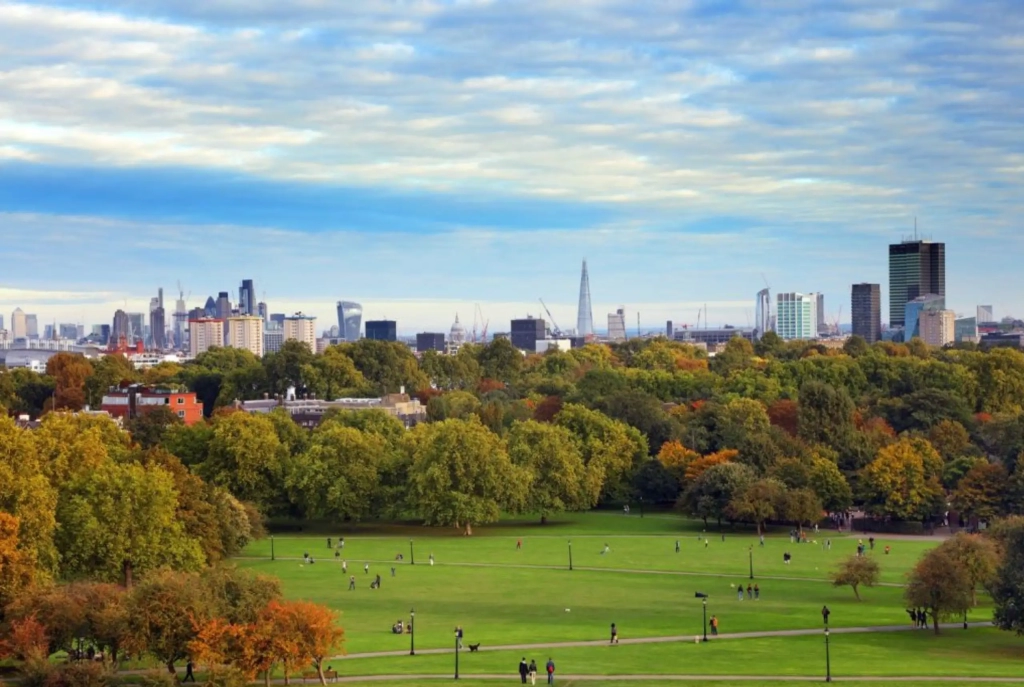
503 596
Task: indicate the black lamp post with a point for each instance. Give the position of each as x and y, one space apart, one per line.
704 598
641 506
272 547
412 554
570 554
751 552
825 613
412 632
965 619
456 654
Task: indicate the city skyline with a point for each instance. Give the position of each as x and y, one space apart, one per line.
497 146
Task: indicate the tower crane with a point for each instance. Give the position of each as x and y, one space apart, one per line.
554 325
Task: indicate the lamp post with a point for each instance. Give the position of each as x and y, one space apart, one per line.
272 547
570 554
751 552
412 554
456 654
965 619
412 632
825 613
704 598
641 506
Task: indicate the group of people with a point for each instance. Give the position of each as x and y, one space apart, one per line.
529 670
752 592
399 627
918 616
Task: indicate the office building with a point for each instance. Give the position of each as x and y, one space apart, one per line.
121 328
158 328
382 330
714 337
866 311
430 341
796 316
585 313
136 327
223 305
277 320
19 328
69 331
130 402
669 330
965 330
261 311
545 345
937 327
48 331
273 339
821 327
204 334
525 333
617 325
247 298
986 314
912 313
1 322
246 331
763 313
350 318
31 326
916 268
210 309
299 327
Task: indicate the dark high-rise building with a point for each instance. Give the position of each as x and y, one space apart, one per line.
350 316
382 330
104 334
121 327
247 298
866 311
223 305
158 328
261 311
525 333
210 309
429 341
277 320
916 268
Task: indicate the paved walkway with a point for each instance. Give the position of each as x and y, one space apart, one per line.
665 640
560 677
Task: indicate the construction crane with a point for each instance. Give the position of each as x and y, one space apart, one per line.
478 320
555 330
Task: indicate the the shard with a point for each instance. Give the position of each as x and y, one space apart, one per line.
585 316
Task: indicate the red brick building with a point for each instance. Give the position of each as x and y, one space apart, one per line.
127 403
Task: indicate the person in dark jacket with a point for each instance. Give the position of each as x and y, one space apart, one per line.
524 668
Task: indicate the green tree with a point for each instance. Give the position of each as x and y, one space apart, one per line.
939 584
856 346
802 506
977 557
27 494
610 449
856 571
285 367
983 492
120 519
950 439
499 360
148 429
710 494
244 455
338 374
1007 585
461 474
387 366
896 484
825 413
759 502
108 371
558 479
830 485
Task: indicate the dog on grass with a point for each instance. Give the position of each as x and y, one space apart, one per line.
474 647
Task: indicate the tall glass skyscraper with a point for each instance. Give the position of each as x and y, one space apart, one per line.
350 320
866 311
796 316
916 268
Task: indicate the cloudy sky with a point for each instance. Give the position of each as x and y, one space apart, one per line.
423 156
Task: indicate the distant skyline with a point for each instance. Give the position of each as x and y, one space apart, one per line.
420 158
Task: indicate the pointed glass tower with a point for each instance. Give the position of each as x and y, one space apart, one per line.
585 316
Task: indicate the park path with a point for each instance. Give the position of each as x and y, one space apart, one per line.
560 678
665 639
584 568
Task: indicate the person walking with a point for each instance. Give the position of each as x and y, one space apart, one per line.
550 667
519 544
615 635
762 540
458 636
431 558
750 592
366 569
344 567
352 583
524 668
871 543
328 542
341 543
714 625
392 571
188 672
677 546
757 592
739 593
533 672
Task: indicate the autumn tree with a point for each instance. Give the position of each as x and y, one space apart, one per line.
17 566
558 479
939 584
70 371
1007 585
710 494
461 474
977 557
676 458
982 493
896 484
166 611
856 571
759 502
699 466
950 439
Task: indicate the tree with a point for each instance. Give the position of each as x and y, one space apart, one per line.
939 584
307 632
802 506
461 474
166 611
895 484
70 371
856 346
290 367
17 567
950 439
710 494
825 412
387 366
558 479
149 428
1007 585
983 491
108 371
759 502
856 571
27 494
500 360
244 455
120 519
830 485
337 374
784 413
739 420
676 458
338 475
610 449
976 556
699 466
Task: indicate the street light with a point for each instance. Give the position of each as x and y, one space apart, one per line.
641 506
751 561
272 547
412 632
965 619
704 598
825 613
456 654
570 554
412 555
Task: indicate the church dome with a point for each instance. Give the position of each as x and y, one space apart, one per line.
458 333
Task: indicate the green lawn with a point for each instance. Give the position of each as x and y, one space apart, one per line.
501 596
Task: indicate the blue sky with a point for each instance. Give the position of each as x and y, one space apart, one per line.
422 156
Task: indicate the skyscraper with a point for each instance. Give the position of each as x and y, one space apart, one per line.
158 328
937 327
69 331
585 314
247 298
985 314
204 334
136 327
763 313
796 316
19 330
866 311
121 327
916 268
210 308
246 331
617 325
261 311
382 330
525 333
31 326
821 327
180 319
350 318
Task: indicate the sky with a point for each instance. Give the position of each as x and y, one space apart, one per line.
427 156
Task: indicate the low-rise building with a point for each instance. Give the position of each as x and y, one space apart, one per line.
129 402
309 412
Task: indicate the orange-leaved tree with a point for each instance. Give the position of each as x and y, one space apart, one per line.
697 466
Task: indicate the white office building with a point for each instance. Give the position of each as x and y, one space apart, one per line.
617 325
796 316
